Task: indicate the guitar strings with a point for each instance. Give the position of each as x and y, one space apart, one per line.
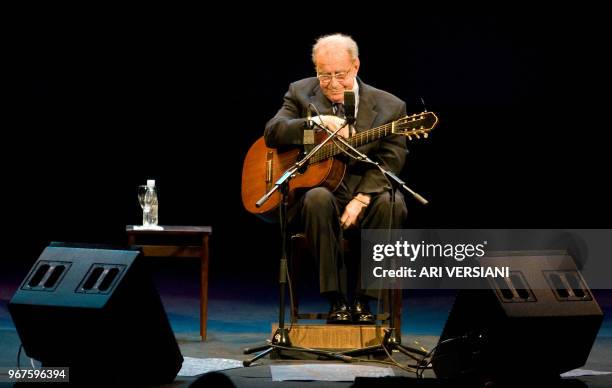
330 150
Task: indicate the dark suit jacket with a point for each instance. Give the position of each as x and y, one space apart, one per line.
376 107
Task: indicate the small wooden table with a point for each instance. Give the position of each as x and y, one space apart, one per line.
151 242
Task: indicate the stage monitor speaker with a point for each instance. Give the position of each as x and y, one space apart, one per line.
97 312
539 322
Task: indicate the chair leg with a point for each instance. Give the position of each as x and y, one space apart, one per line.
396 299
297 247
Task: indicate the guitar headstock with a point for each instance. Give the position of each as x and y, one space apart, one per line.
416 125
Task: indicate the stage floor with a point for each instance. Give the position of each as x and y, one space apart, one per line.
238 319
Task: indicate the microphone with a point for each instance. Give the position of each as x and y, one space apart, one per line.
349 109
309 123
308 140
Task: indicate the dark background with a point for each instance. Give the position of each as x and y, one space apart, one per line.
98 101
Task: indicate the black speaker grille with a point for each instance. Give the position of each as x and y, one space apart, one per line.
568 286
46 276
100 279
514 289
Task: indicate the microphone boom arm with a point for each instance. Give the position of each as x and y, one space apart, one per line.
364 158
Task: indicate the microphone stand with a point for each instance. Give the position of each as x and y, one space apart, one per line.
280 340
390 341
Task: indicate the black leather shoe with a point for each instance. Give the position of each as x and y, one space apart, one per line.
361 314
339 312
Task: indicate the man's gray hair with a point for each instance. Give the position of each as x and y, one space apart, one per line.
338 40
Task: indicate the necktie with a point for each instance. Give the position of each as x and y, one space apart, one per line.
338 109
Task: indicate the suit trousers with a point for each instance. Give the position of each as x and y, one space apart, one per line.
319 211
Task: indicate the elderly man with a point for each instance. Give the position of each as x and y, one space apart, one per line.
363 198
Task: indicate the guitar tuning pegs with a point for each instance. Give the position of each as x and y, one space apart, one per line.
417 135
425 135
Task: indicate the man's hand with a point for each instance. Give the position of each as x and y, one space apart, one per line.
354 211
333 123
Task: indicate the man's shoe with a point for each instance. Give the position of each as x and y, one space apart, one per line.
361 314
339 312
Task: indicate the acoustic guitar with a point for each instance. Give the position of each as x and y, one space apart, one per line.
263 166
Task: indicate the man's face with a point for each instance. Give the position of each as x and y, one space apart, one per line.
336 71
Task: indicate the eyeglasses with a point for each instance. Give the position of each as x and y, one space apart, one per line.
326 78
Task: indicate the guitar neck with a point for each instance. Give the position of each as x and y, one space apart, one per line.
331 149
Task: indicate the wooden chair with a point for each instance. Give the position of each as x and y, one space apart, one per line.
299 251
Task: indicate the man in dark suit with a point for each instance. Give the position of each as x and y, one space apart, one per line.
363 197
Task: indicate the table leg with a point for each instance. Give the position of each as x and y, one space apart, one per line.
204 287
